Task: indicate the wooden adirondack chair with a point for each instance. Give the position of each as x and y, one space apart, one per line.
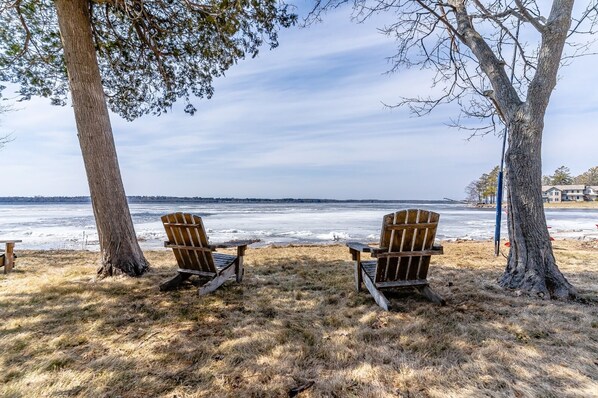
195 256
403 258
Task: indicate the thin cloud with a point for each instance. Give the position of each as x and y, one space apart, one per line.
304 120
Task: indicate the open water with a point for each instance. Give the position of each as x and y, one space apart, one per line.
71 226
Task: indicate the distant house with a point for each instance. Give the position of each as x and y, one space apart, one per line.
572 193
568 193
591 192
551 194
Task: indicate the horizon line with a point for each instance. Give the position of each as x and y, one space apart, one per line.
155 198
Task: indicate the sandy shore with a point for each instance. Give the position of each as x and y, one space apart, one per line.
295 319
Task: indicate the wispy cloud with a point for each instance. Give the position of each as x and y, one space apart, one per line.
304 120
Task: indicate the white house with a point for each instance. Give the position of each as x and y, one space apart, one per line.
569 193
551 194
572 193
591 192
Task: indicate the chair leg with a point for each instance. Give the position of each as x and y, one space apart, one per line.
358 277
9 259
239 270
215 283
432 295
381 300
173 283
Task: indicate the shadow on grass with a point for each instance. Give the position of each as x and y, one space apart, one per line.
293 319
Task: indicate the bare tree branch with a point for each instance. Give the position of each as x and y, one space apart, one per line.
553 40
534 21
591 9
504 94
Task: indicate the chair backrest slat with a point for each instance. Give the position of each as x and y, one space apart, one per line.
187 231
410 230
428 244
393 239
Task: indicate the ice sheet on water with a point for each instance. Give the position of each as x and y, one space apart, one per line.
71 226
298 234
334 236
145 235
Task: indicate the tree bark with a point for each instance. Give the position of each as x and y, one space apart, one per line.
120 250
531 266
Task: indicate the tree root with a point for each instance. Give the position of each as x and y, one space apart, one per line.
127 268
535 285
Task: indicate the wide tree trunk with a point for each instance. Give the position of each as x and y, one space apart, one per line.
118 243
531 265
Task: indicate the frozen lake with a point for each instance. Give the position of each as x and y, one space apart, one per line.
71 226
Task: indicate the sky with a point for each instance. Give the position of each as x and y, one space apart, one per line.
305 120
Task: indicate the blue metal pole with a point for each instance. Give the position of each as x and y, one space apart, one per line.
502 162
499 197
498 213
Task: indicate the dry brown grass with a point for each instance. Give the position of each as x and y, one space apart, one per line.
295 318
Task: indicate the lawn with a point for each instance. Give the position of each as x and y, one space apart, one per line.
295 319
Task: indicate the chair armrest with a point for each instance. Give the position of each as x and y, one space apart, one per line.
234 243
359 247
183 247
241 245
378 250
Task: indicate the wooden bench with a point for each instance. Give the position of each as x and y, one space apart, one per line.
9 255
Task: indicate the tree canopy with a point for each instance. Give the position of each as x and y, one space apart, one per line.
484 189
150 53
590 177
561 176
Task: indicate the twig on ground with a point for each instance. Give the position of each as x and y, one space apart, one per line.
293 392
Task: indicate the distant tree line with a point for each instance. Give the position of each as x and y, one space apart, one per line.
199 200
562 176
483 190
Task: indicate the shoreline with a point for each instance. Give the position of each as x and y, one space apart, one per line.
573 235
590 242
